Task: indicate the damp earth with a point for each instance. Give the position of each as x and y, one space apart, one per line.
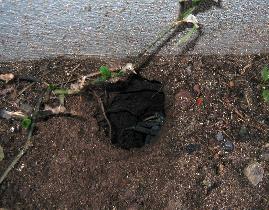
183 131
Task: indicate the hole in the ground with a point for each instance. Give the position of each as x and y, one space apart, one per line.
136 113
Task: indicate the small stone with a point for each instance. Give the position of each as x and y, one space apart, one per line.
231 84
12 129
254 172
219 137
228 146
191 148
221 169
243 132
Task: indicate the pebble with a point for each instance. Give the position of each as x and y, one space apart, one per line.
221 169
254 172
191 148
12 129
243 132
231 84
228 146
219 137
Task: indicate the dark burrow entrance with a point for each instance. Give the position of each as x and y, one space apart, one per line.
136 112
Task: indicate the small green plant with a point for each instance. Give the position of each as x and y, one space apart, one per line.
52 87
265 95
118 73
26 122
105 73
188 35
265 83
185 15
190 10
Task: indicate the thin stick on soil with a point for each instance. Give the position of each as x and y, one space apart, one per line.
26 88
27 144
248 120
103 112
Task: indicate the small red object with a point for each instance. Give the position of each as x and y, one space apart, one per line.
200 101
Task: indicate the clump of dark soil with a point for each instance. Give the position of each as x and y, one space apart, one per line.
73 165
138 100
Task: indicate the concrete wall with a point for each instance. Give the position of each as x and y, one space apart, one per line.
35 29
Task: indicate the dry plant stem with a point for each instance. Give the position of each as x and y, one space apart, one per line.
26 88
88 76
103 111
27 144
95 74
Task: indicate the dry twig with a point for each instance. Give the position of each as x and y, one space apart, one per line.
28 142
248 120
25 88
104 112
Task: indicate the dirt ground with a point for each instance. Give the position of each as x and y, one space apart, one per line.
73 165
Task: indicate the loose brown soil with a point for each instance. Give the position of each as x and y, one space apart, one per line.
73 165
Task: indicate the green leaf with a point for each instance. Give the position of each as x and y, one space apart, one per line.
99 80
265 73
196 2
52 87
265 95
26 123
187 13
106 74
118 74
187 36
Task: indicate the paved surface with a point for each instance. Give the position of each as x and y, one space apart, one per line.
120 28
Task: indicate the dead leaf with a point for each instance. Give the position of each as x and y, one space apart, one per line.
2 155
55 110
8 115
7 77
